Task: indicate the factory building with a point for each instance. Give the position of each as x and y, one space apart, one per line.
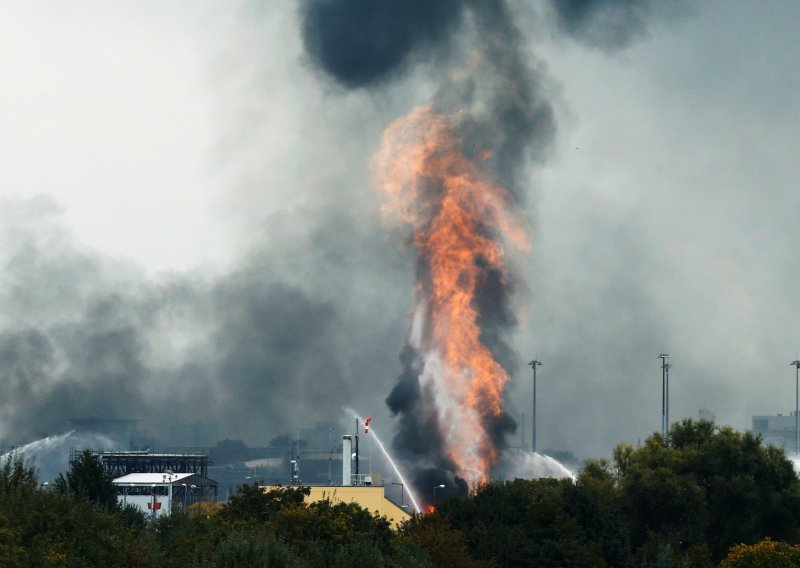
369 497
365 490
777 430
119 463
159 494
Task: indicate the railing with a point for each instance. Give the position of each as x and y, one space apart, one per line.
367 479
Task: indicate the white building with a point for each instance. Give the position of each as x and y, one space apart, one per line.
159 494
776 430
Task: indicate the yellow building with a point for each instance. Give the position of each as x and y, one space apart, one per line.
369 497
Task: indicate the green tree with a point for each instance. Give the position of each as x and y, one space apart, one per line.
764 554
253 504
89 479
711 488
17 479
444 545
12 553
543 522
59 529
252 548
330 526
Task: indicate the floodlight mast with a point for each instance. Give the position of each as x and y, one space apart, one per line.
534 364
665 397
796 365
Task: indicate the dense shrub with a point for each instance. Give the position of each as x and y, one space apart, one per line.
692 503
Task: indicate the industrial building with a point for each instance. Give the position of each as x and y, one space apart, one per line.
779 431
119 463
370 497
158 484
365 490
159 494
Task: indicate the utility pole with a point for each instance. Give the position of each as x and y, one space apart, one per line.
357 477
330 455
534 364
664 397
796 364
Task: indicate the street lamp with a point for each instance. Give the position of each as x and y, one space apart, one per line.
665 397
402 493
796 365
534 364
441 486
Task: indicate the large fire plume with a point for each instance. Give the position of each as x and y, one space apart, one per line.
461 222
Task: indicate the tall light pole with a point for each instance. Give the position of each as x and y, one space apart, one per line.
534 364
664 397
440 486
796 364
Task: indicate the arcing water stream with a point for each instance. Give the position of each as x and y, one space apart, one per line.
39 445
524 464
372 432
50 455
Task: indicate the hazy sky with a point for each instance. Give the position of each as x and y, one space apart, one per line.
189 150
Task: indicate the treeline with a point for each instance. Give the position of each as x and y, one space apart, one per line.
714 497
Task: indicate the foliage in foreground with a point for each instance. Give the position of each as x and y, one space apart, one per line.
764 554
682 505
691 504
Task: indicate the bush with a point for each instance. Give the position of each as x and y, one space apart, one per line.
764 554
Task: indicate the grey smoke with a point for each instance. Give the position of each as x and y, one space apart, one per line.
246 348
604 23
665 221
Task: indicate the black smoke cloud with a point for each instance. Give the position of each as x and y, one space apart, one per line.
361 42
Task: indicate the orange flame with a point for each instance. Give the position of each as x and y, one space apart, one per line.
459 218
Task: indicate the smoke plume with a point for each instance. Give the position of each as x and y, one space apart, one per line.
361 43
489 121
85 336
312 311
606 24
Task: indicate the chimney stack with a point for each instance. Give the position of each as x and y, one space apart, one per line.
347 457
